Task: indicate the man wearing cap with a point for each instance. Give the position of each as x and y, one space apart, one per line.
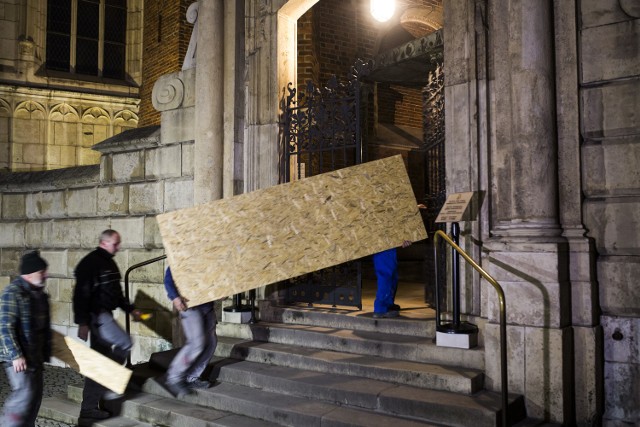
97 293
25 340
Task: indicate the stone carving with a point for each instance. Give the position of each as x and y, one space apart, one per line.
96 115
168 93
428 46
192 18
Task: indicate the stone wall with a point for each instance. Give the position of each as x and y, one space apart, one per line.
44 129
50 118
609 88
63 212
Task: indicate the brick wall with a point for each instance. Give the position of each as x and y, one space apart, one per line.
332 35
166 39
400 105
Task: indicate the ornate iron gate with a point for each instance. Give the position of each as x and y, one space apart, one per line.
433 116
323 132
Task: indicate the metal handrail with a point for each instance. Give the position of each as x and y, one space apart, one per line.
503 318
127 320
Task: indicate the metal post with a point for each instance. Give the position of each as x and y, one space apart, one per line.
455 275
455 326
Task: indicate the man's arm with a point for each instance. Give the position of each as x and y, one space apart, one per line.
8 326
170 286
82 300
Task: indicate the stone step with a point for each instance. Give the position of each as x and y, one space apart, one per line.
345 319
382 397
275 408
147 410
421 375
371 343
371 394
63 410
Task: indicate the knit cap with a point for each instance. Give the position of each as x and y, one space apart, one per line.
32 262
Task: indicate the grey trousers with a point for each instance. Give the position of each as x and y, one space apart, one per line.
22 405
109 339
199 326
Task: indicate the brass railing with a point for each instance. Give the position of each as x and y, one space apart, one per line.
127 321
503 318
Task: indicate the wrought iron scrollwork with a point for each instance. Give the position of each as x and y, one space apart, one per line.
323 133
434 137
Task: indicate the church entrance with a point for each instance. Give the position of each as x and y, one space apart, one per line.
400 111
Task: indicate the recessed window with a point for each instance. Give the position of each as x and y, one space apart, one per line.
87 37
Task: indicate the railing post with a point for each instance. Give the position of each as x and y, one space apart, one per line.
455 275
127 320
503 319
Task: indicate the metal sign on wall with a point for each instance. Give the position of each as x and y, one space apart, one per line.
454 207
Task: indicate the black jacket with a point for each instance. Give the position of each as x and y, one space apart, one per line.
97 287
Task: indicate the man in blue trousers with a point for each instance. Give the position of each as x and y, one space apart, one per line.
385 264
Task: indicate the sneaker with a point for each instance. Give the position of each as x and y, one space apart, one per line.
388 314
94 414
197 383
394 307
177 389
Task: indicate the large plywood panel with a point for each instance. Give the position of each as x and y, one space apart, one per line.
232 245
90 363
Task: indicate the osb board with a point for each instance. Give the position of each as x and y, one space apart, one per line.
90 363
232 245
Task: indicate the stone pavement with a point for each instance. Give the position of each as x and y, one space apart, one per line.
56 380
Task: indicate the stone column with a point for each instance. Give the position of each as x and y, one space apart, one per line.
208 150
526 252
525 167
587 333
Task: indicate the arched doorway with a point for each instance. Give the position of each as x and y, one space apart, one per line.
330 36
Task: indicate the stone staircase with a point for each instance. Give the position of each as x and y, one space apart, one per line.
305 367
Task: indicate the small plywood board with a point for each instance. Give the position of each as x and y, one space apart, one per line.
90 363
233 245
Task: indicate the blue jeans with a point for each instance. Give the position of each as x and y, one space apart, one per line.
199 326
385 264
22 405
109 339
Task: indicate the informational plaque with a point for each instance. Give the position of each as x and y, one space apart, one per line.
233 245
455 207
90 363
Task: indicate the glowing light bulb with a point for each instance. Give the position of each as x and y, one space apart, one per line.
383 10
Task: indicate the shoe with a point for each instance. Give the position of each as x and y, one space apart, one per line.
197 383
94 414
177 389
394 307
388 314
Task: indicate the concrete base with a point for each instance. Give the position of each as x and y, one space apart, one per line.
457 340
236 316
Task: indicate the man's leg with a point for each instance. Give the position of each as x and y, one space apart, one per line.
21 407
107 338
385 264
193 328
208 338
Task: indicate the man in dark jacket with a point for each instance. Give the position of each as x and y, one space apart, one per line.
25 340
97 293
